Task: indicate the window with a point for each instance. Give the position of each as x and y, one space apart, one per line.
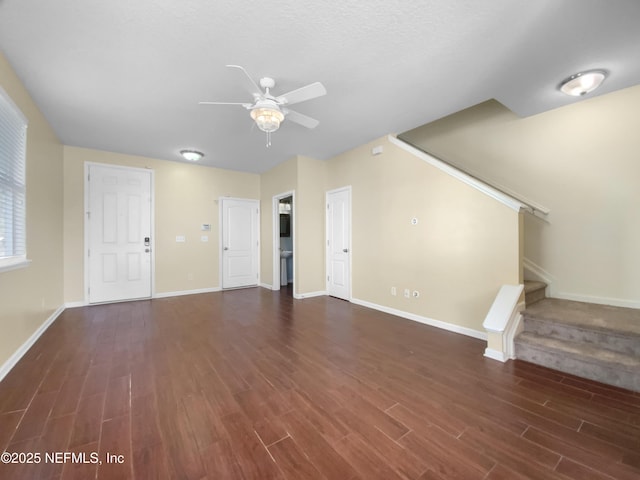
13 140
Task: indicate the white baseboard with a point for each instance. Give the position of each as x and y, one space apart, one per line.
24 348
300 296
74 304
495 355
469 332
616 302
536 272
268 286
186 292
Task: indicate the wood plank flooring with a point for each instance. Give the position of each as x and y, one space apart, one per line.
251 384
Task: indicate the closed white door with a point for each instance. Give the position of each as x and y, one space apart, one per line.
118 233
240 242
338 228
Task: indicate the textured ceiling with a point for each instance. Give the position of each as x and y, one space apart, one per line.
126 76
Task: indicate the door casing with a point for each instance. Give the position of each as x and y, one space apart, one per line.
276 238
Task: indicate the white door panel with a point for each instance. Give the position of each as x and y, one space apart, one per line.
240 242
338 224
118 221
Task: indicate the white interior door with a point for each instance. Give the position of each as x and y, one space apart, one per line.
240 242
118 233
338 227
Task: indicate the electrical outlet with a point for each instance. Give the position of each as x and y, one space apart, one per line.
416 294
407 293
393 291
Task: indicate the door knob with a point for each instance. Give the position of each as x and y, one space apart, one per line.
226 248
345 250
146 250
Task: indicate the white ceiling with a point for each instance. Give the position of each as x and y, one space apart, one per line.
126 76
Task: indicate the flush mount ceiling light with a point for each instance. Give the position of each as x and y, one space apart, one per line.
583 82
191 155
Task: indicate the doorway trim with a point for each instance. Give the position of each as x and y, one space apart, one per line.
85 225
276 238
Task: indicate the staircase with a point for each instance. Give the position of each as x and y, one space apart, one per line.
598 342
533 292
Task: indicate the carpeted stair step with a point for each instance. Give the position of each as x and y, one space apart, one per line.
533 292
582 359
612 328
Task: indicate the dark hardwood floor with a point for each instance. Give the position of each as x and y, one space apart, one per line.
251 384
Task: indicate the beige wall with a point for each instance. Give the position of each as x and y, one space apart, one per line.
186 196
29 296
310 220
306 178
464 247
581 162
281 179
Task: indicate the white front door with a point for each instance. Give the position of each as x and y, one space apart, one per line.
338 227
240 242
118 233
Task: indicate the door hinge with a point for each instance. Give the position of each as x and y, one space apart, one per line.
327 206
88 177
327 278
88 253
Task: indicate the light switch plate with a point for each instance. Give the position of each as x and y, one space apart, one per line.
180 239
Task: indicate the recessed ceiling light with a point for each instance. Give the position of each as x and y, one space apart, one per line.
583 82
191 155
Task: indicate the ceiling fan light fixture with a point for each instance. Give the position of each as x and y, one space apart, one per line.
267 119
191 155
583 82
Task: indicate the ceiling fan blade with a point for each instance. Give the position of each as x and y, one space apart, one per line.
245 105
250 83
302 94
300 119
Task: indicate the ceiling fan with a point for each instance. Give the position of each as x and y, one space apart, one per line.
269 111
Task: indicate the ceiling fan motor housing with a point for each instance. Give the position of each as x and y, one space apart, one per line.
267 82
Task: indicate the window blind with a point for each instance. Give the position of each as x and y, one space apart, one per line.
13 139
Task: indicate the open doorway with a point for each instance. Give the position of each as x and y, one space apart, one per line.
283 242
